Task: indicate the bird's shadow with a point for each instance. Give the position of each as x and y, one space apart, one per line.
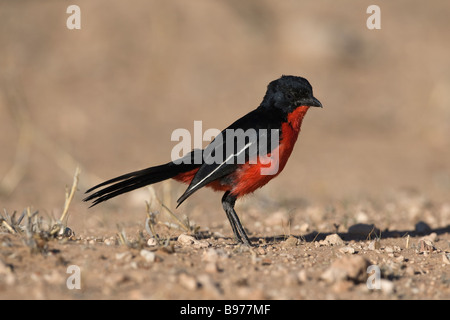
345 236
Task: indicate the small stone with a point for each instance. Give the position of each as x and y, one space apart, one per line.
347 249
260 251
126 256
342 286
211 267
185 239
148 255
201 244
152 242
109 242
347 268
290 242
361 216
409 271
53 277
210 255
187 281
303 228
431 237
387 286
115 279
209 285
302 277
218 235
426 245
374 244
389 249
4 268
446 257
6 273
334 240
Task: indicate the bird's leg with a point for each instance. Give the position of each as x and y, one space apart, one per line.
228 202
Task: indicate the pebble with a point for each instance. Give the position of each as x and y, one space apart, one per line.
302 276
446 258
213 255
4 268
290 242
152 242
210 255
387 286
209 285
347 268
303 228
115 279
126 256
53 277
109 241
361 216
431 237
389 249
333 240
211 267
374 245
347 249
409 271
261 251
426 245
7 275
187 281
187 240
148 255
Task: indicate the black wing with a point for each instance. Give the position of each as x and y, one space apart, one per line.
241 142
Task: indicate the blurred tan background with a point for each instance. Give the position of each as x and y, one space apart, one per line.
107 97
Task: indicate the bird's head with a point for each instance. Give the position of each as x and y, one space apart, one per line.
289 92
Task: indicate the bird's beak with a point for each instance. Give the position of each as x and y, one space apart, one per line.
315 103
310 102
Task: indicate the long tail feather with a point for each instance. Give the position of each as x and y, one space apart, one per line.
135 180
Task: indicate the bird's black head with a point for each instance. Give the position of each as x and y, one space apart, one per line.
289 92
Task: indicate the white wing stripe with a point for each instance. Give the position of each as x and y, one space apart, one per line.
231 156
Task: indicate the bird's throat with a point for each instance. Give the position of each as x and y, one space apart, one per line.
295 118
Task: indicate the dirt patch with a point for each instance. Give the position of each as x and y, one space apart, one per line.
301 264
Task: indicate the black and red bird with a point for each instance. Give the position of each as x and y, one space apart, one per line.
238 166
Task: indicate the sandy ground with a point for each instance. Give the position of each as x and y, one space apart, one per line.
372 166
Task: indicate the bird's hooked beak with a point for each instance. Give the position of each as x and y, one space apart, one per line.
315 103
311 102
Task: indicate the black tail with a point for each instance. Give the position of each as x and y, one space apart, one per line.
138 179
